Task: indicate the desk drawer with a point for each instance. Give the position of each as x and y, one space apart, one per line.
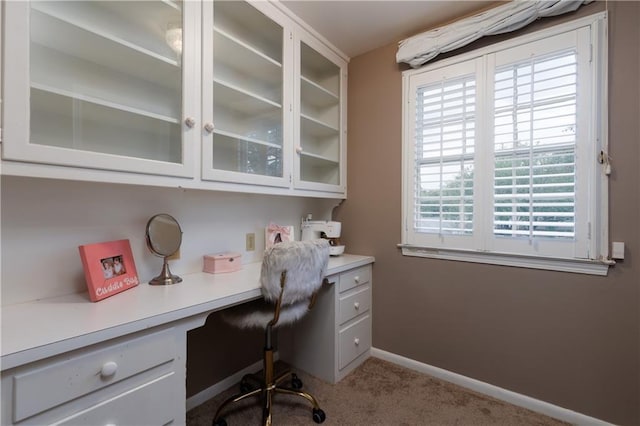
86 371
356 277
355 340
354 304
142 405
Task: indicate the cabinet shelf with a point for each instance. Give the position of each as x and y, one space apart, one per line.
319 170
247 139
317 128
102 102
319 160
231 97
78 39
242 155
267 127
231 46
241 65
316 95
137 25
319 104
77 78
62 121
247 26
321 148
319 70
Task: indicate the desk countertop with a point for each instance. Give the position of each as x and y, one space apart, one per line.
35 330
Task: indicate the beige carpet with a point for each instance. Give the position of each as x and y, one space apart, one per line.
377 393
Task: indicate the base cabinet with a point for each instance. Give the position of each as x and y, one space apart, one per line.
330 350
123 361
134 380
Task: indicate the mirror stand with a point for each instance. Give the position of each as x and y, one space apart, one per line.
164 237
165 277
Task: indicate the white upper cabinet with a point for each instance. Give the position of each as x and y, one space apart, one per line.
98 84
246 95
320 117
223 95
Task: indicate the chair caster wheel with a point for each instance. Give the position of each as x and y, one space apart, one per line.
220 422
296 383
318 415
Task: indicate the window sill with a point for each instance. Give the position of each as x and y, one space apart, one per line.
590 267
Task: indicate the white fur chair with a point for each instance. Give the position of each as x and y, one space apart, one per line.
291 275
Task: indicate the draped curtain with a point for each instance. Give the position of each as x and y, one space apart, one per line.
421 48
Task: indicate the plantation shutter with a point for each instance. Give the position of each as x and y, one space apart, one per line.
535 104
503 153
444 152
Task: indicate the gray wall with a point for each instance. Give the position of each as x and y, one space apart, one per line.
569 339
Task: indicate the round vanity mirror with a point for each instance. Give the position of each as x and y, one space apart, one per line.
164 237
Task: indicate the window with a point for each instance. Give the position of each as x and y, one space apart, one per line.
505 153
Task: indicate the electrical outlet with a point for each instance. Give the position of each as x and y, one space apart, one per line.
251 241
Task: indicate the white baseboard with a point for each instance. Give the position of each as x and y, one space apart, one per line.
491 390
205 395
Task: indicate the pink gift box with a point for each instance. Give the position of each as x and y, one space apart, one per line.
223 262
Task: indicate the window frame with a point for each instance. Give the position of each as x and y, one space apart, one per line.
481 249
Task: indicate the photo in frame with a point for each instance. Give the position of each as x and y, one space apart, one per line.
108 268
274 234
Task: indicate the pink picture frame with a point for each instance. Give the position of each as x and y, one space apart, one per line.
108 268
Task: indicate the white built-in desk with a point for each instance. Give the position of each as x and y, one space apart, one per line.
122 360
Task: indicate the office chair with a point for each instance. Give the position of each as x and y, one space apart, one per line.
291 275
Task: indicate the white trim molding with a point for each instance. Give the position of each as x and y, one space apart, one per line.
589 267
511 397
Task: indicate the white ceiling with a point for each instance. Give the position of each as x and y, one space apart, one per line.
358 26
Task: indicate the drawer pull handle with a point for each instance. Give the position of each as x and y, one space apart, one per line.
356 341
356 305
356 279
108 369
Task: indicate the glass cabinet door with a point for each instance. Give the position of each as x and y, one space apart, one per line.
320 115
105 83
243 109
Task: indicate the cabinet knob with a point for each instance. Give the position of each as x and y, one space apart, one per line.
356 341
209 127
190 122
108 369
356 279
299 149
356 305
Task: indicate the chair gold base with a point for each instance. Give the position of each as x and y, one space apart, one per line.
268 387
269 383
